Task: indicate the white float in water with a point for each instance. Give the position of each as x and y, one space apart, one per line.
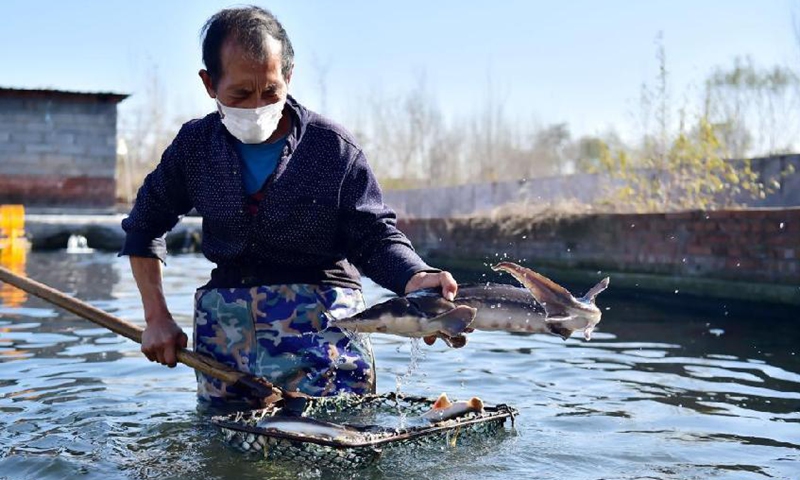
78 244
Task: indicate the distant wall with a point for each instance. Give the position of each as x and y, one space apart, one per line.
759 245
57 152
446 202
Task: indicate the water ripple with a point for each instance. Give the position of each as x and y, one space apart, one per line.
654 395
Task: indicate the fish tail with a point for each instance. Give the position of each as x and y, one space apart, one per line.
475 404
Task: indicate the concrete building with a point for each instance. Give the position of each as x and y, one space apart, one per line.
58 148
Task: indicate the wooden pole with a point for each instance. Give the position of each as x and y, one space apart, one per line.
259 387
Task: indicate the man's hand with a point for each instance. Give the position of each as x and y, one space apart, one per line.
430 280
162 339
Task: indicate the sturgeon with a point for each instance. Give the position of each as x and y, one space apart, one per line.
443 409
423 315
539 306
309 427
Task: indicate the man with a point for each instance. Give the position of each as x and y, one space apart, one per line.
289 205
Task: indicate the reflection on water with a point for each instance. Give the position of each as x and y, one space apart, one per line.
658 393
13 252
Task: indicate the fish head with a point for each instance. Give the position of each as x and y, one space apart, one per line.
564 312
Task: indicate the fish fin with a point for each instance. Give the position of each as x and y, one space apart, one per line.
458 341
475 404
594 291
587 333
560 330
442 402
456 320
552 296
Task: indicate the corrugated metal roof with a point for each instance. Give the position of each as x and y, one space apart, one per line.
92 97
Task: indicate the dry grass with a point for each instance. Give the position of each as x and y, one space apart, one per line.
515 218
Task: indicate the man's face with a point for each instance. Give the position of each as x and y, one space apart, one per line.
249 83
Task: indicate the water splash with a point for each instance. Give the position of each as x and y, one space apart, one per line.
416 354
78 244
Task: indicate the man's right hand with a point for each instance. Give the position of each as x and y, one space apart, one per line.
162 339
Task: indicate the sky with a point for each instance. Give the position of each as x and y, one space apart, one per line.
577 61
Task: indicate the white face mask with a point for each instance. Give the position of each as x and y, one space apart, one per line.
251 125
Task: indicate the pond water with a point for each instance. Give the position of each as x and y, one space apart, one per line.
663 391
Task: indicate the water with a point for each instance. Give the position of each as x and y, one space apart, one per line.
659 393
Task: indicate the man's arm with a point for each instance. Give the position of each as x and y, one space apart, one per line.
163 336
160 202
373 242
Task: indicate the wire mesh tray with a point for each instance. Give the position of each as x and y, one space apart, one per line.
366 440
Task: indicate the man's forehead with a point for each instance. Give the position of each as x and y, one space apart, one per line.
234 48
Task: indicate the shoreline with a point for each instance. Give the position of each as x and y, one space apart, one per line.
751 255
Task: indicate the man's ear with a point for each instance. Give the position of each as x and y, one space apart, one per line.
289 74
207 83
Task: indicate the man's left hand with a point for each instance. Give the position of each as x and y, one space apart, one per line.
431 280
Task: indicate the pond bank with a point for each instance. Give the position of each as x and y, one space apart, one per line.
102 232
751 254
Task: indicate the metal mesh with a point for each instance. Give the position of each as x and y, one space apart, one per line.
241 431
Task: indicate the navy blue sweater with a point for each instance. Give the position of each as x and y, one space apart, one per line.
322 211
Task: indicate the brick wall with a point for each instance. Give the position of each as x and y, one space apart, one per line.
57 152
759 245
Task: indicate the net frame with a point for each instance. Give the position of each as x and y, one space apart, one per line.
240 430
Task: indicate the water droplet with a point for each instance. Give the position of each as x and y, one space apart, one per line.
525 236
782 225
676 290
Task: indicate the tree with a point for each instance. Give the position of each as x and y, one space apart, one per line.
756 108
688 170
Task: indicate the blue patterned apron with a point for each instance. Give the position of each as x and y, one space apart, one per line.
280 332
